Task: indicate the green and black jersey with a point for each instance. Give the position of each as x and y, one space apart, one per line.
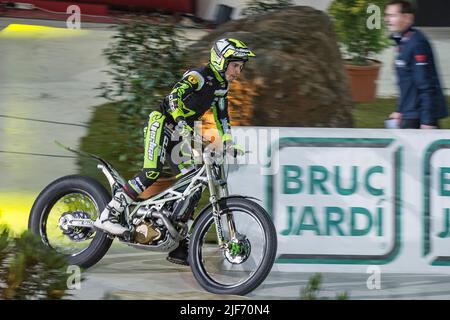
199 90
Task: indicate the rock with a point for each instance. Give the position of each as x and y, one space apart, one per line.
297 78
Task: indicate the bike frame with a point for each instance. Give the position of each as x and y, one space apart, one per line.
205 175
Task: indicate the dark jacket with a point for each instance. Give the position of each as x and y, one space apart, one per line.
421 95
197 92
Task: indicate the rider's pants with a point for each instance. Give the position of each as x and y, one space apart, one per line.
161 146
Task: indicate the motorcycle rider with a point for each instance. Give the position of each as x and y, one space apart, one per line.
198 90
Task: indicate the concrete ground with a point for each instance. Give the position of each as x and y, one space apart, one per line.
128 273
51 79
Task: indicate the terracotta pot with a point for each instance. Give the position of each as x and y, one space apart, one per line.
362 80
158 186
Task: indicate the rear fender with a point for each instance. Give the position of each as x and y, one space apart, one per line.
112 175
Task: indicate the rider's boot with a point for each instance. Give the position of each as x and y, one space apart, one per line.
109 219
180 254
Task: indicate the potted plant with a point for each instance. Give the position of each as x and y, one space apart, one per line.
361 33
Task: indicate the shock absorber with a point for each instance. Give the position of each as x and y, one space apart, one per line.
183 209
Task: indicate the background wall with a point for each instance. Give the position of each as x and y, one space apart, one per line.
345 198
207 9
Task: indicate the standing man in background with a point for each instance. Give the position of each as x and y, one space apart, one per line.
421 103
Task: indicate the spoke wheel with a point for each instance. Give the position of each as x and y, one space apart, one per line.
71 197
245 260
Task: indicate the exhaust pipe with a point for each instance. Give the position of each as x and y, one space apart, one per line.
163 216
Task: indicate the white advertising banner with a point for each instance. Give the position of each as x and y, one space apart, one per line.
345 199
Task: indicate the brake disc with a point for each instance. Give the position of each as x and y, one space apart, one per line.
238 250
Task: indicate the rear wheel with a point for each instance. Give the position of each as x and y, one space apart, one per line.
71 197
248 257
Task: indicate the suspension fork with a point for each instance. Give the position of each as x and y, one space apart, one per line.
224 191
214 200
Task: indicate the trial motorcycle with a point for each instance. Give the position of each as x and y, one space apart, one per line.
232 245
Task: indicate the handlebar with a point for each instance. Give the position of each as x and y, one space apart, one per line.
196 138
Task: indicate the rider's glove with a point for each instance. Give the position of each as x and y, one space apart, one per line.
183 128
234 150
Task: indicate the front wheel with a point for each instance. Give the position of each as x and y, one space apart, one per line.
248 257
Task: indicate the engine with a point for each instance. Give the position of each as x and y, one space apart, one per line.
146 233
158 228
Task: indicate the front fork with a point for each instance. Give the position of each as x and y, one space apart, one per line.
218 189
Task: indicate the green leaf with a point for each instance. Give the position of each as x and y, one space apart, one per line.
350 24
